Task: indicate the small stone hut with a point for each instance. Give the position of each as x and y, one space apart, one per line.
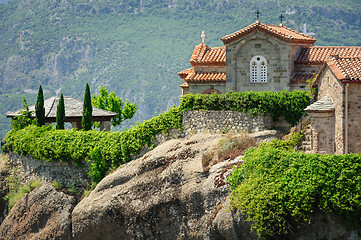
73 113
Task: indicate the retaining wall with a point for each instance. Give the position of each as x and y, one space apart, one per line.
225 121
63 173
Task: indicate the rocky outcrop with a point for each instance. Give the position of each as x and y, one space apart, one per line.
15 72
44 213
4 173
163 195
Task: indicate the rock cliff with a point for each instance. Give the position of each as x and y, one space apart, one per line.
164 194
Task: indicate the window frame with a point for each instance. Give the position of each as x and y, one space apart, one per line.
258 69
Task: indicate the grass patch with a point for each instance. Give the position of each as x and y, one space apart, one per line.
228 148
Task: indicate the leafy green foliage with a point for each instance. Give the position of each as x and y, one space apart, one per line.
103 150
107 150
277 187
289 104
39 108
109 101
87 110
16 189
24 119
60 113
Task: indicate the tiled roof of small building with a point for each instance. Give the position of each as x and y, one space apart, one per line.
346 69
202 77
301 77
318 55
280 32
204 55
323 105
73 108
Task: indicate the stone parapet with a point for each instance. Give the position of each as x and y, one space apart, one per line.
67 174
225 121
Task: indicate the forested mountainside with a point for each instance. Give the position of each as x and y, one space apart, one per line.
136 48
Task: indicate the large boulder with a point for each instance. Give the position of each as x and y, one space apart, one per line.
165 194
43 213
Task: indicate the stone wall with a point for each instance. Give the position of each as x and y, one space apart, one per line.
63 173
329 85
354 120
224 121
239 54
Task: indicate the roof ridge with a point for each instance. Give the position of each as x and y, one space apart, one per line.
283 33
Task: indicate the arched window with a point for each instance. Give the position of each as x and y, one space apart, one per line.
258 70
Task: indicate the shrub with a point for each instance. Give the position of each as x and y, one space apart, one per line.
228 148
277 187
289 104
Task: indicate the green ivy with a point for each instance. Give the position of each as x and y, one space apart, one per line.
277 186
105 151
289 104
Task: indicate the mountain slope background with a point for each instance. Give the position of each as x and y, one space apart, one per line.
136 47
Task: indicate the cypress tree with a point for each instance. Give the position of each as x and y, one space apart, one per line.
87 110
60 113
39 108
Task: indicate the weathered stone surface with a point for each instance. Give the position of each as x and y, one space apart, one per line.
229 121
163 195
44 213
4 172
231 225
66 174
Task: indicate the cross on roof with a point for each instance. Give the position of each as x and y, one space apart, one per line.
258 13
282 17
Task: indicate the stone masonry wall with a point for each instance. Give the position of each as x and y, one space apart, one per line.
354 120
63 173
224 121
329 85
274 51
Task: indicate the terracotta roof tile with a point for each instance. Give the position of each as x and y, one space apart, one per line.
204 55
280 32
205 77
346 69
184 85
300 77
202 77
318 55
184 73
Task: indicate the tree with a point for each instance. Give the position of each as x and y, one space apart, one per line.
87 110
39 108
110 102
60 113
24 119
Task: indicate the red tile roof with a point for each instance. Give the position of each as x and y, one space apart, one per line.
184 85
204 55
301 77
184 73
346 69
282 33
202 77
318 55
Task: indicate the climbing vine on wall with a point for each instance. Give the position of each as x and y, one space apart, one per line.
289 104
